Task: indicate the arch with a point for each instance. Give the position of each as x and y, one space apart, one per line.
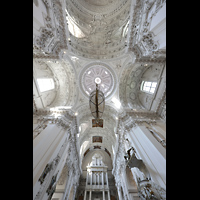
105 158
105 145
88 150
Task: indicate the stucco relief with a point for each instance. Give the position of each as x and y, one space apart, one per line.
106 29
106 37
42 70
129 85
141 40
130 82
52 37
104 73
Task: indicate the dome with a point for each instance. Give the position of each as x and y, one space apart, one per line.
98 73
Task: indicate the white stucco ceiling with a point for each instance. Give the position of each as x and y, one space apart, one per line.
76 41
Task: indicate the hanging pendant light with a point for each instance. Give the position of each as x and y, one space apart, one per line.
97 103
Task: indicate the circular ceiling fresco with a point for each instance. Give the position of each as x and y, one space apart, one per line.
97 73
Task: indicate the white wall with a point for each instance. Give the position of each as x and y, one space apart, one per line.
38 20
158 27
45 148
151 152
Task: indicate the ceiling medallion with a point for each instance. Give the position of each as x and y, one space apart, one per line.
97 73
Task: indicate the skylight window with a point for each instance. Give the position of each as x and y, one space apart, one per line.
45 84
148 86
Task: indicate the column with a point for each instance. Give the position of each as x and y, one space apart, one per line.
85 195
152 153
98 179
103 195
87 178
107 179
119 192
91 178
90 197
133 170
102 180
108 194
95 179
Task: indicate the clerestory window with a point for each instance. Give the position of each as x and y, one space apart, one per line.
45 84
148 86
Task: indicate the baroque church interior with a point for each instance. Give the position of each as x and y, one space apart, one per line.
119 46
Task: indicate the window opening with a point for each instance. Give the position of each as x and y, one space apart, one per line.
45 84
148 86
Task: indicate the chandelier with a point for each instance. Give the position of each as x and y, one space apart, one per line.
97 102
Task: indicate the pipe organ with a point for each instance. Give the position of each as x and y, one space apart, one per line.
97 179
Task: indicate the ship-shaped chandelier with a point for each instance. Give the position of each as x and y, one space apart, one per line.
97 102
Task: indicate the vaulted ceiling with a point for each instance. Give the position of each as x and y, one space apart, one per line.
76 41
98 29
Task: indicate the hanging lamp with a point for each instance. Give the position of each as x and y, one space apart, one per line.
97 103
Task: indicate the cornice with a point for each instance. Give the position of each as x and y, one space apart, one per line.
152 60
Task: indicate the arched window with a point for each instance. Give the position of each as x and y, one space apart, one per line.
45 84
148 86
